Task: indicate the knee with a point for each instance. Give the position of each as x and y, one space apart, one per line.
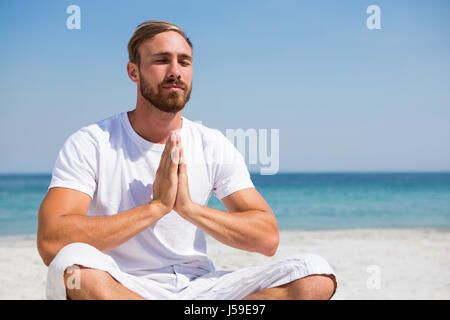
75 267
314 287
319 280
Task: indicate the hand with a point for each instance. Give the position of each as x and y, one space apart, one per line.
183 202
166 180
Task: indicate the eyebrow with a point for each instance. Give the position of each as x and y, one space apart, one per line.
165 53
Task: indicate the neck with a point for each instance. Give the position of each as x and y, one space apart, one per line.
153 124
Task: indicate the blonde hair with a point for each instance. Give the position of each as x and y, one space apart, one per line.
147 30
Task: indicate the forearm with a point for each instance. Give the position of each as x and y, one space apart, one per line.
252 230
104 233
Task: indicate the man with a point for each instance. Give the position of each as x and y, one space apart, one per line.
126 208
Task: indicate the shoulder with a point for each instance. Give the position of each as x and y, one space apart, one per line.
98 131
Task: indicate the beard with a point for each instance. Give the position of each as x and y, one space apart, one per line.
167 102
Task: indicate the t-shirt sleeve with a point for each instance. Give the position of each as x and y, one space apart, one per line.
76 164
229 171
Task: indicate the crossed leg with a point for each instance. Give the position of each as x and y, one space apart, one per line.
313 287
98 285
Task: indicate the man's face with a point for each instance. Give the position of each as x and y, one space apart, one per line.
165 71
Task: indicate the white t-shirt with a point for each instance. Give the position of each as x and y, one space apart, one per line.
116 167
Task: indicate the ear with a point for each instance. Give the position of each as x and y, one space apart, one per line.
133 72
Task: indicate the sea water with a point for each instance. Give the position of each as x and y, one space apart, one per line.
300 201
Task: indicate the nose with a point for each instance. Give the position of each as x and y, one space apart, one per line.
173 72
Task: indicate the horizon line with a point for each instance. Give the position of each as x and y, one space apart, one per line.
279 172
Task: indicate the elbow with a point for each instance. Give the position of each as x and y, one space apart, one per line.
46 251
272 246
273 240
273 249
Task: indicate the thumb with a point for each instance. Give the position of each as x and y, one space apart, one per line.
182 174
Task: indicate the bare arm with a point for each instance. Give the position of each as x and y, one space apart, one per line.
63 220
249 225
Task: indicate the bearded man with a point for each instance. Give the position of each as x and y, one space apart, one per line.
126 209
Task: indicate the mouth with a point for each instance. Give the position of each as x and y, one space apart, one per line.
172 87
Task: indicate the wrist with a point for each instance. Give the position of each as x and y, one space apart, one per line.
191 210
157 207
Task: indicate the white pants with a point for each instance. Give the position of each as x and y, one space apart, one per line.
173 284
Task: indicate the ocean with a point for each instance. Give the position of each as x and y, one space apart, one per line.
300 201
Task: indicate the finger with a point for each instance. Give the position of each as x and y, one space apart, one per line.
182 161
170 140
166 155
167 147
178 138
182 174
174 154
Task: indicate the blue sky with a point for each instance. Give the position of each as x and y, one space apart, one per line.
344 98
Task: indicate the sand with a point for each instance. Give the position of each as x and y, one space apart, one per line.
370 263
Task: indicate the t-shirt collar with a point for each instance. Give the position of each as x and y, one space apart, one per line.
141 141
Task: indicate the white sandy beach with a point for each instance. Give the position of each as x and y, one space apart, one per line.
370 264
